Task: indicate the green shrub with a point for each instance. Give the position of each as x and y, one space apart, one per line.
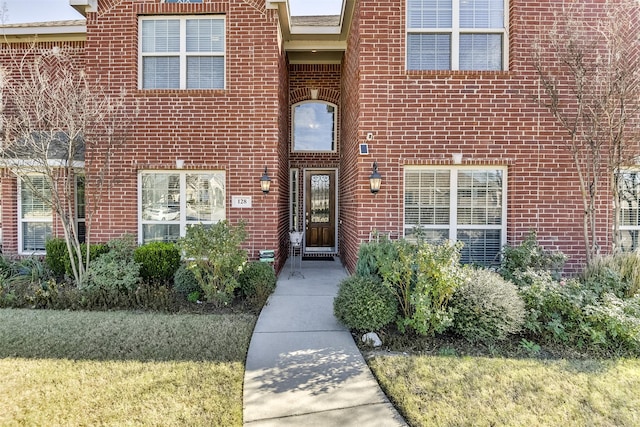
555 309
153 297
216 258
21 280
57 256
115 274
370 254
365 304
618 274
257 282
58 260
438 275
158 261
530 255
487 307
185 282
614 325
30 270
423 277
5 266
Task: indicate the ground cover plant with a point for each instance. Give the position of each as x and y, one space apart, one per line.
215 273
175 358
522 345
122 368
596 313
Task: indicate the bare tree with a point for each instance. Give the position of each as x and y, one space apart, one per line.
588 66
51 114
4 13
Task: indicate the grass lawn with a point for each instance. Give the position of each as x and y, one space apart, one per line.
121 368
482 391
63 368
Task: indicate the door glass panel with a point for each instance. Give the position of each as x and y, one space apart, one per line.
320 198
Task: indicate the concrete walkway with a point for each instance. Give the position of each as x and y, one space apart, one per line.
303 367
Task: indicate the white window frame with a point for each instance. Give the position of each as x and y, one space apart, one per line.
294 199
182 54
334 142
452 225
80 219
621 226
22 221
182 218
455 31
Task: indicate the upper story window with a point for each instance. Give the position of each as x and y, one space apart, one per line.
182 52
314 126
457 34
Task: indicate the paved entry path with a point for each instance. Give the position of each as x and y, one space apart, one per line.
303 367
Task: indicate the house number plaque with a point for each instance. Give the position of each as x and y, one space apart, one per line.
240 201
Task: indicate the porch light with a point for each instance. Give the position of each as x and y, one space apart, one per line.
375 179
265 182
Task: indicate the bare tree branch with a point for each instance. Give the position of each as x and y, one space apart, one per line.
589 72
51 114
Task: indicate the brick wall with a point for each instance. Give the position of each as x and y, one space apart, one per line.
421 118
237 130
15 57
416 118
351 188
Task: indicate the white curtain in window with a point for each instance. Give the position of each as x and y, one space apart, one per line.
205 72
429 51
205 35
481 51
161 35
481 13
171 62
460 204
35 213
430 13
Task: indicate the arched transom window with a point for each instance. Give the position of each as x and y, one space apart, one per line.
314 126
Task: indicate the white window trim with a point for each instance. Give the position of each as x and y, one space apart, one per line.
335 126
455 32
22 221
622 227
453 206
183 200
78 219
294 199
182 54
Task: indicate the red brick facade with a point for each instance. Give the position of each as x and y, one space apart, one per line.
415 118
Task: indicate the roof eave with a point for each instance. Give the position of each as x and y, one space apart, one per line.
44 31
84 6
314 38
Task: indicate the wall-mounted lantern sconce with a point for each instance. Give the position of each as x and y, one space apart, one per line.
375 179
265 182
